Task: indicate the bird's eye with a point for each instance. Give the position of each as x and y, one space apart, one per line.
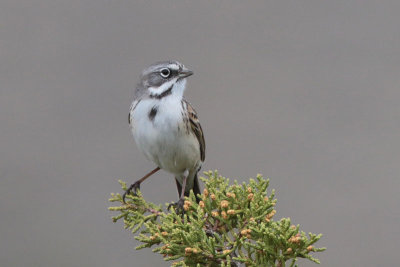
165 73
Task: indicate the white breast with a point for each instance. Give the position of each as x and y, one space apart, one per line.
165 139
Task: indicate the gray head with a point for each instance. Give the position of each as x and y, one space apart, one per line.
161 78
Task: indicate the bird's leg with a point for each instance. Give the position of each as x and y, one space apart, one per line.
136 185
182 196
181 201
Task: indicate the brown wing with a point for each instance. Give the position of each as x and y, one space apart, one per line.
196 129
131 109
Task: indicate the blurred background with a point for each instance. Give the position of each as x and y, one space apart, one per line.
305 92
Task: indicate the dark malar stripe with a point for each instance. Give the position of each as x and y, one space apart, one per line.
164 94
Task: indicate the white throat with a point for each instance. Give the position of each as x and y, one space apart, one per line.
179 88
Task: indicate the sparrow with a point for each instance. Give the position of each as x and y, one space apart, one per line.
166 128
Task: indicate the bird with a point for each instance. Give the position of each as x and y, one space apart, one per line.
166 127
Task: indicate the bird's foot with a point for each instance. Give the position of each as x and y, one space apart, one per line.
134 187
178 206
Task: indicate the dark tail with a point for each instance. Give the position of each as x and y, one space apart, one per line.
196 188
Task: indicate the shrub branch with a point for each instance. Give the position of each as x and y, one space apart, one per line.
232 225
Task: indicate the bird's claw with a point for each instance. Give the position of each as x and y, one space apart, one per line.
134 187
178 206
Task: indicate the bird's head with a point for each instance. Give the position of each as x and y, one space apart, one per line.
163 77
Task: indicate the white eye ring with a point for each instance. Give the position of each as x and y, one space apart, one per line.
165 72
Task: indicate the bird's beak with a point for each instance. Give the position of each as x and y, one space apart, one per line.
185 73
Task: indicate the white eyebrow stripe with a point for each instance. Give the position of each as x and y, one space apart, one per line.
173 67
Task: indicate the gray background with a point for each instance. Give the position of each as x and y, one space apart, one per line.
305 92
